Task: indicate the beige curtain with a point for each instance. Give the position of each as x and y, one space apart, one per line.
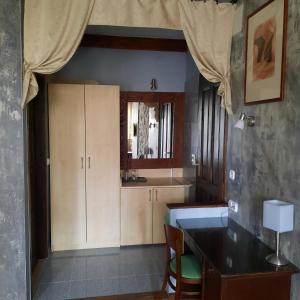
208 28
52 32
53 29
136 13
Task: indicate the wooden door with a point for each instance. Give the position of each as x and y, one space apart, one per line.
212 120
102 110
161 197
136 216
67 170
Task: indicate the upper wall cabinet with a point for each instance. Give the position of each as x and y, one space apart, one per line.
151 130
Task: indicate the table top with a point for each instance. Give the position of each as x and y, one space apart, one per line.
228 247
159 181
196 205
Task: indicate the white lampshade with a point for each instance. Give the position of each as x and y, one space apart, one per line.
278 215
240 124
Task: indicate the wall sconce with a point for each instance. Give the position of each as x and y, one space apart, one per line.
153 85
250 121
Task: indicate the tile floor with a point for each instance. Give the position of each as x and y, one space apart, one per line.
101 272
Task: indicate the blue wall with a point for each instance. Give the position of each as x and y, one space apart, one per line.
132 70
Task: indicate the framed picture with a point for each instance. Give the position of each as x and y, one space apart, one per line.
265 53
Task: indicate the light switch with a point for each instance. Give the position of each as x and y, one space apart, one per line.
232 175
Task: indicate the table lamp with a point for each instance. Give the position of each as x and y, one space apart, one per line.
279 217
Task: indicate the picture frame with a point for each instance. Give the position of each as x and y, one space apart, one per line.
265 58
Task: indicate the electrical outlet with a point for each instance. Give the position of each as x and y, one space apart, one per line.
232 175
232 234
229 262
194 160
233 206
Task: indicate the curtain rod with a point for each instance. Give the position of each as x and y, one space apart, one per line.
218 1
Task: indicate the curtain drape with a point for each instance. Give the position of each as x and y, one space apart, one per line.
208 28
52 32
136 13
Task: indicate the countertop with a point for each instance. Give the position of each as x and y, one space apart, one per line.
159 181
228 247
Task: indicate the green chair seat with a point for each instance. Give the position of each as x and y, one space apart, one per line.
189 267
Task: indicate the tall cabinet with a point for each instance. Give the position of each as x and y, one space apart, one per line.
84 166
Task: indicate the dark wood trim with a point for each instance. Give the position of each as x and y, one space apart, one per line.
177 160
38 146
224 171
283 62
133 43
37 275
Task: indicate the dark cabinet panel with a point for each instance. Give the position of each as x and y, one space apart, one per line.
212 284
212 144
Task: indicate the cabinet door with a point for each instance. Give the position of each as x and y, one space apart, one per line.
67 170
162 196
136 216
211 284
102 165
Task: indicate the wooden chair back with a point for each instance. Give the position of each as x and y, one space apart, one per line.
175 242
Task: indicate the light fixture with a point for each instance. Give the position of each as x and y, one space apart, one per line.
250 121
153 84
279 217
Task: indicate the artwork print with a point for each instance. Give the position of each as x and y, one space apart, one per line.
264 50
265 56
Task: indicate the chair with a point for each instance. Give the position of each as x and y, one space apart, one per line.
184 268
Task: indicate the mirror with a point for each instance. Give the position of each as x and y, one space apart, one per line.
150 130
151 125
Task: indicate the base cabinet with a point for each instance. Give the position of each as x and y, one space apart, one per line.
161 197
245 287
136 216
143 213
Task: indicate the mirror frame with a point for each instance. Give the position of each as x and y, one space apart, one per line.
178 142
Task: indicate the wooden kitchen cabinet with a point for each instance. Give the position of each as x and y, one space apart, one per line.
136 216
143 213
67 150
162 196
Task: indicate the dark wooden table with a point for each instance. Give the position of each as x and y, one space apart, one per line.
234 265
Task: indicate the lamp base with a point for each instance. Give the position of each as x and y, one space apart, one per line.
277 260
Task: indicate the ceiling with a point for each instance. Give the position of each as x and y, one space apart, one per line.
135 32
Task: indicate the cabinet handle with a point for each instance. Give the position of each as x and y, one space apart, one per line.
81 162
156 195
89 162
149 195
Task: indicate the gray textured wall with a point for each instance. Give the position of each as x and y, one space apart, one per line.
12 195
267 157
132 70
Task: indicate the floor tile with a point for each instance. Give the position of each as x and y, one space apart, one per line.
77 289
79 269
53 291
98 272
94 287
111 286
128 285
149 283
